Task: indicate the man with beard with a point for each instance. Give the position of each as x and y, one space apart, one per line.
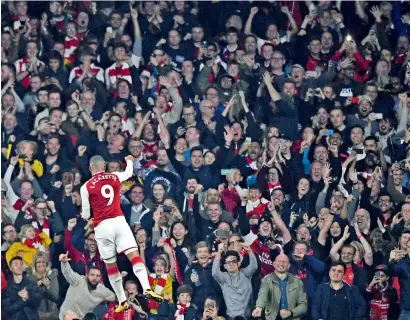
307 268
248 165
250 47
365 116
85 292
83 259
186 199
53 162
389 137
162 173
395 184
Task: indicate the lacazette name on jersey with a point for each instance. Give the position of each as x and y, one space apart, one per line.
103 177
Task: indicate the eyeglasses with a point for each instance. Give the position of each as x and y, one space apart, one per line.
189 114
10 231
231 262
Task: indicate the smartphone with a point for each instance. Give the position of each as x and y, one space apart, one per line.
205 44
355 99
330 132
348 37
224 172
402 164
372 32
388 86
109 29
248 139
379 116
167 208
6 29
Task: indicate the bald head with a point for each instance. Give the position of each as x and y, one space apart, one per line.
281 264
97 164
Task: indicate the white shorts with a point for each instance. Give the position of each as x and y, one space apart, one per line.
114 236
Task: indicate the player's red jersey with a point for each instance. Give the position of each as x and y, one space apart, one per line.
102 193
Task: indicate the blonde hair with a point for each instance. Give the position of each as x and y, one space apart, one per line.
44 256
23 230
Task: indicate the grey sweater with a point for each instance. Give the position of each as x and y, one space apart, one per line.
79 298
236 288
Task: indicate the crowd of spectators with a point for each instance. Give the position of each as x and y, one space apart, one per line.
271 146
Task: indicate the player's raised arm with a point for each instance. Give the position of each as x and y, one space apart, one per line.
127 173
86 212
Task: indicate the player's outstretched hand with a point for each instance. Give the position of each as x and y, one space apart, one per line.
64 257
130 157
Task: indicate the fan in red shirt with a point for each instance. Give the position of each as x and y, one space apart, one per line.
112 233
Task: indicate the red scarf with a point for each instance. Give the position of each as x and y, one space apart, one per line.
71 45
162 281
22 67
35 243
251 163
17 25
157 288
78 72
121 72
177 269
179 313
272 186
44 228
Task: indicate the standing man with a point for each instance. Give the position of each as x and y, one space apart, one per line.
337 300
85 292
283 287
22 297
112 233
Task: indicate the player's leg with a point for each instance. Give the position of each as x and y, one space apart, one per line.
140 272
125 242
115 278
105 238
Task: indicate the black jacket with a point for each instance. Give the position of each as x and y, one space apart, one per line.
14 307
357 305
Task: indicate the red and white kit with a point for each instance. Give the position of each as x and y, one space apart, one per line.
102 194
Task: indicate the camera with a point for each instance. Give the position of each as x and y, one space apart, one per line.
167 208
